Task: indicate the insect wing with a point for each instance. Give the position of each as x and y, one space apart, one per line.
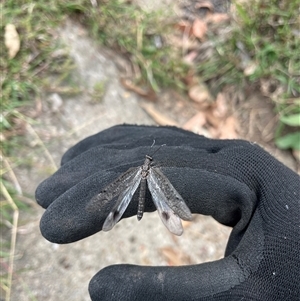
113 189
122 202
173 198
167 215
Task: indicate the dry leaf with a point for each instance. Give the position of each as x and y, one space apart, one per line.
190 57
296 154
201 95
128 84
158 117
228 129
216 114
190 79
2 137
175 257
214 132
186 224
217 18
220 108
196 123
199 29
185 27
250 68
212 119
183 41
11 40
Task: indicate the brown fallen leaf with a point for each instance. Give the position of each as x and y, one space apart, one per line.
175 257
201 95
216 113
158 117
296 154
147 93
199 29
186 224
217 18
213 132
182 41
212 120
228 129
190 57
196 123
185 27
12 40
190 79
250 68
220 108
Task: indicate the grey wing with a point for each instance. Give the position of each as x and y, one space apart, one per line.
167 215
173 199
122 202
114 188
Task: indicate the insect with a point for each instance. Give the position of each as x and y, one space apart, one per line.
170 205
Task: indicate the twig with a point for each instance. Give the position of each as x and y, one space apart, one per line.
158 117
11 173
13 239
139 35
94 3
33 132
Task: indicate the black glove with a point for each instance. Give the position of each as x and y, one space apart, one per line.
236 182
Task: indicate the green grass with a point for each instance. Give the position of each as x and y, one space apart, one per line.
23 78
133 33
25 75
264 36
114 23
266 31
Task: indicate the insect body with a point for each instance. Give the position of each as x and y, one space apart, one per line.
144 174
170 205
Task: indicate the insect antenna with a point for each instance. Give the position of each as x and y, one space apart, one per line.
152 143
156 149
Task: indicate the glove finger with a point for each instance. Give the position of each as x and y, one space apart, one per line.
93 158
106 157
76 213
96 161
122 136
256 269
206 281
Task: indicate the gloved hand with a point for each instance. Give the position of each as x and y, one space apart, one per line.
236 182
